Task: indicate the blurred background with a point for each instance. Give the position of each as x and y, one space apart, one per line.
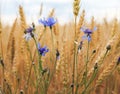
63 9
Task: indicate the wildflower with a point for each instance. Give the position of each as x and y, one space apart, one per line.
48 22
42 51
27 36
29 32
87 32
57 54
43 21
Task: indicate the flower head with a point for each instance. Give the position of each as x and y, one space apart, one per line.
51 21
87 32
43 21
48 22
42 50
27 36
29 30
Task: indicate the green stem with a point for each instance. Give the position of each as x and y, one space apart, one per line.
40 66
87 60
94 74
90 81
39 56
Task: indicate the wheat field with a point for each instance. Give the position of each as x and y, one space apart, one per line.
75 58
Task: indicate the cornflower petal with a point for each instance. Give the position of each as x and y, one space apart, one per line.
48 22
89 38
27 36
43 50
87 32
95 28
29 30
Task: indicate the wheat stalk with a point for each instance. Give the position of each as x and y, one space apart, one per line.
11 44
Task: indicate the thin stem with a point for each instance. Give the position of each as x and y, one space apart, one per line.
40 66
74 62
87 60
52 40
53 72
39 56
2 58
76 91
90 81
94 74
43 33
17 85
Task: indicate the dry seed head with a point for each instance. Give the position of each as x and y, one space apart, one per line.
105 74
76 7
105 22
114 28
52 13
98 32
41 9
11 44
92 23
7 78
81 20
80 23
65 66
101 56
22 18
12 33
56 30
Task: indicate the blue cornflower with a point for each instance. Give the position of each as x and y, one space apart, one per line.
29 33
42 51
27 36
29 30
43 21
48 22
87 32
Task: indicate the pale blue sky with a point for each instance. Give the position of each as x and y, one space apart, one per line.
63 9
